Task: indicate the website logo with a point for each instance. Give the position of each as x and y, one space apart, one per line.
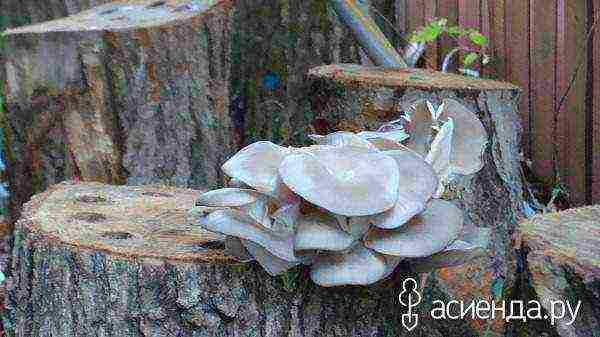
410 298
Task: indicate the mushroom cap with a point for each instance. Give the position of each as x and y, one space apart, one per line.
236 183
358 266
341 138
420 127
468 140
270 263
321 231
255 204
418 182
227 197
471 244
256 165
384 144
425 234
440 153
235 223
346 180
391 262
356 226
285 219
395 135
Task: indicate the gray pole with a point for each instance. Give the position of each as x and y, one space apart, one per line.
353 14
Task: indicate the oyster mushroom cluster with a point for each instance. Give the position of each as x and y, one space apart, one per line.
353 206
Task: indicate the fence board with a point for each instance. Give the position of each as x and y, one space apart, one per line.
416 14
535 44
401 11
518 63
544 84
469 15
575 137
431 12
595 78
498 38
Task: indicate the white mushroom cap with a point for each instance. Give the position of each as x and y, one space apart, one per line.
256 165
341 138
468 140
320 231
270 263
391 262
255 204
285 219
471 244
421 122
236 183
396 135
439 154
418 182
235 223
345 180
383 144
358 266
425 234
356 226
227 197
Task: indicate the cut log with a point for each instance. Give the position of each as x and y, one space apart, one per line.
561 255
98 260
14 13
128 92
353 98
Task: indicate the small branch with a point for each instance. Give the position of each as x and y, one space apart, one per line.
563 98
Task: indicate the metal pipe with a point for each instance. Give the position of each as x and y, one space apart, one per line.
354 15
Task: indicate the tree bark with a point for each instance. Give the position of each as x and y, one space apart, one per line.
353 98
14 13
99 260
130 92
561 263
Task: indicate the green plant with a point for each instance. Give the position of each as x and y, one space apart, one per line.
468 40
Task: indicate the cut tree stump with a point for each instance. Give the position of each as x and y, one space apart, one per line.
14 13
130 92
352 97
100 260
561 262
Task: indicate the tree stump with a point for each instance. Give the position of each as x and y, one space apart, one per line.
352 97
561 262
128 92
100 260
14 13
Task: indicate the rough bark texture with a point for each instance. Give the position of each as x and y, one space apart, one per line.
561 259
275 43
129 92
98 260
353 97
14 13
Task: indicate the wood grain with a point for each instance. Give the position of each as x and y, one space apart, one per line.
595 78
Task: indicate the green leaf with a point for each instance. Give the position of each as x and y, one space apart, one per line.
430 32
478 38
470 58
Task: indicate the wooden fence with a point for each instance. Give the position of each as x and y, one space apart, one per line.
538 45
